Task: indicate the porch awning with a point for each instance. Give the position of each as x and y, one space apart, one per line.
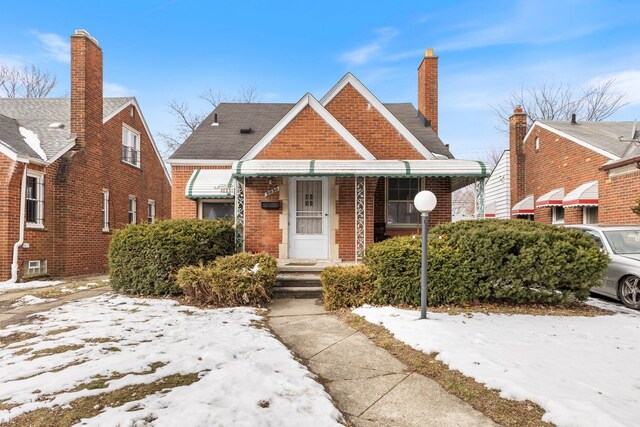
584 195
552 198
210 184
490 210
524 206
463 172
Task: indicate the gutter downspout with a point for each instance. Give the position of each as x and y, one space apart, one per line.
16 246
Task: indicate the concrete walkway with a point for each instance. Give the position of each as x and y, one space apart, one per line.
369 385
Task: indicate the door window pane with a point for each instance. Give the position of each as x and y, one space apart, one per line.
308 207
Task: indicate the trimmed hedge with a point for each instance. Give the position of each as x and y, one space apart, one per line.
346 286
488 261
240 279
145 258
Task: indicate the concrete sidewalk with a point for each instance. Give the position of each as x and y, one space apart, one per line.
369 385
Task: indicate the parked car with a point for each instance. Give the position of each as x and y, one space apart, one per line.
621 279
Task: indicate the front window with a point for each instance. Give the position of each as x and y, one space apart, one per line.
558 215
590 215
151 211
216 210
624 241
400 195
105 210
34 200
133 210
130 146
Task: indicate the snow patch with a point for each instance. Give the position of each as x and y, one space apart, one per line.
32 140
240 366
578 369
7 286
30 300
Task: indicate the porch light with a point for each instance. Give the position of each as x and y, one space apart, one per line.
425 202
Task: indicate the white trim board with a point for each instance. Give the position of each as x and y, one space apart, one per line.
571 138
375 102
309 100
134 102
201 162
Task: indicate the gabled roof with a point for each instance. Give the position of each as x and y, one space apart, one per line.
610 139
37 114
308 101
384 111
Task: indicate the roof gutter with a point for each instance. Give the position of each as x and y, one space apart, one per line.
621 163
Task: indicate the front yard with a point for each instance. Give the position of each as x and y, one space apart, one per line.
580 370
114 360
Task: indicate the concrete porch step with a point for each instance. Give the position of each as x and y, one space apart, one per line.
302 280
297 292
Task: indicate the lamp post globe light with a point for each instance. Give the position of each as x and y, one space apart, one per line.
425 202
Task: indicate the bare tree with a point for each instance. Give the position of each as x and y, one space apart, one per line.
186 120
463 202
559 101
27 82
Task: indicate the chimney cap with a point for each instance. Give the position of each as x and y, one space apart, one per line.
518 109
428 53
85 33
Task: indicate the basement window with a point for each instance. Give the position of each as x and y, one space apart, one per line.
130 146
34 268
34 200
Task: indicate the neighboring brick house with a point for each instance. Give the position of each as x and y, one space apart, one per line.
321 178
571 172
72 170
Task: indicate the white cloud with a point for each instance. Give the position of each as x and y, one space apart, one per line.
57 47
11 61
116 90
627 82
371 50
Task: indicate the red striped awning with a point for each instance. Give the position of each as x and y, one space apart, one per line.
584 195
524 206
552 198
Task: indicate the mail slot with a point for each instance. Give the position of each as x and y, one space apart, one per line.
270 204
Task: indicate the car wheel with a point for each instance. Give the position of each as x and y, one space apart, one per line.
629 291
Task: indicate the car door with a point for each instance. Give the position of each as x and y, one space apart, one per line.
609 278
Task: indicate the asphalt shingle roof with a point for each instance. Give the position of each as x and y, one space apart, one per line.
225 142
613 137
10 134
36 114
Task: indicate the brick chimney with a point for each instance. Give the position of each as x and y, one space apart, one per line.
517 132
428 88
86 88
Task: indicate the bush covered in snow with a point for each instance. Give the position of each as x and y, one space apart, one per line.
240 279
346 286
145 258
512 261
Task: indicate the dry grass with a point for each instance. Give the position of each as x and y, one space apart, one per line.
530 309
16 337
91 406
503 411
62 330
55 350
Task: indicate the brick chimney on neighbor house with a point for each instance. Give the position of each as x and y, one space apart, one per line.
517 132
428 88
86 89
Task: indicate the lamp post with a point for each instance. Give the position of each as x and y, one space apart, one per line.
425 202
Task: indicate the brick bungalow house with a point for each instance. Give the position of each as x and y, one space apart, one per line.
72 170
320 179
571 172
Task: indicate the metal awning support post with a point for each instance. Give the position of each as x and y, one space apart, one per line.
480 198
239 214
361 216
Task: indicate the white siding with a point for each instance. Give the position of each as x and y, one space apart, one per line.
497 188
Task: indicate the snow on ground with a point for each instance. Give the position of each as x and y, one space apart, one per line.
240 365
6 286
581 370
30 300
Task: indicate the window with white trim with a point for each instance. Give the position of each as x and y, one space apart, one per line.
105 210
130 146
557 213
590 215
35 267
151 211
133 210
400 195
34 199
216 209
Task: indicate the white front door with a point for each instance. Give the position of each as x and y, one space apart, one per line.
308 218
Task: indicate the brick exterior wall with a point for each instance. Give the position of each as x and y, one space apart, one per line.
262 232
517 132
618 194
308 136
428 88
72 240
370 127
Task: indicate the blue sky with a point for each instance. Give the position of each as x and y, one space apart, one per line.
175 49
